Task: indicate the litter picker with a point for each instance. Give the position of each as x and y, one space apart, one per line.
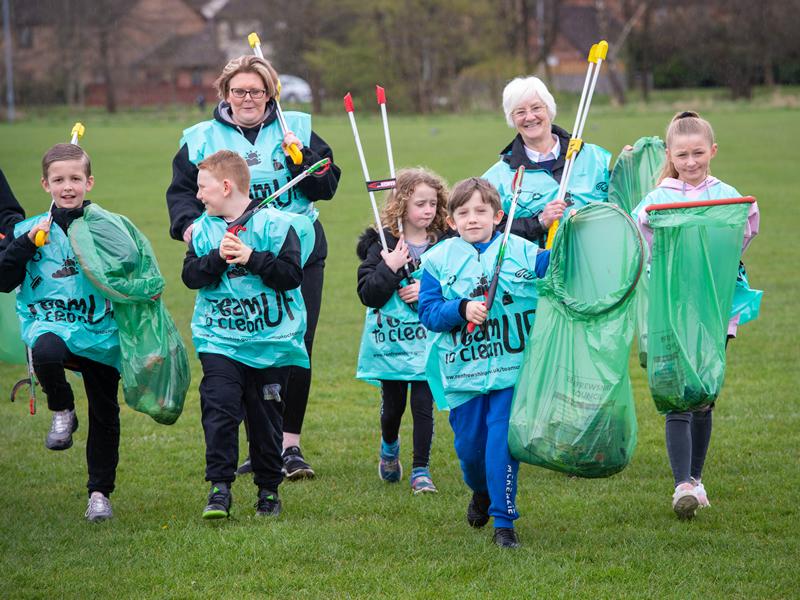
597 55
516 186
294 152
379 184
77 133
318 167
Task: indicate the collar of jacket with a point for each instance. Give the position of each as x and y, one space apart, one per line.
63 217
514 154
222 113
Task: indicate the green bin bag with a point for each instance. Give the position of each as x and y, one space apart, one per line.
633 177
573 407
12 350
693 269
120 262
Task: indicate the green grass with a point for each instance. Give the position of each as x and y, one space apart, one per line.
348 535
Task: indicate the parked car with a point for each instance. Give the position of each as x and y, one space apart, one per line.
294 89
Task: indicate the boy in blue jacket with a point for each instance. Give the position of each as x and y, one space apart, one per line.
473 374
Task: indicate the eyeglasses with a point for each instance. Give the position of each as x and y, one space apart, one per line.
254 94
536 110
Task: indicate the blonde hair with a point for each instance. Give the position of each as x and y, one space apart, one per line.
464 189
225 164
520 89
61 152
248 63
687 122
396 205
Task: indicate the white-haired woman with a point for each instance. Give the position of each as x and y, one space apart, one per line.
245 121
541 147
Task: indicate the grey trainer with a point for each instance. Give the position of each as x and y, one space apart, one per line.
64 423
99 508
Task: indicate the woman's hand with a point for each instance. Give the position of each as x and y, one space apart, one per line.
398 258
187 235
553 211
410 293
43 225
234 251
476 312
289 139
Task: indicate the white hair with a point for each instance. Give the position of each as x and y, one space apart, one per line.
520 89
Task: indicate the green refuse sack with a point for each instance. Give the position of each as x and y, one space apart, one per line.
573 408
693 269
120 262
633 177
12 350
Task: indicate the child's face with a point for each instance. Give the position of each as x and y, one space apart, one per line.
475 220
421 207
213 192
67 183
691 154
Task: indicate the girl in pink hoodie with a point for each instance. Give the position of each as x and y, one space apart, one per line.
686 177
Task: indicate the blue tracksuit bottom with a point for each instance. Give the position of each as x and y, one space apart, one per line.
481 441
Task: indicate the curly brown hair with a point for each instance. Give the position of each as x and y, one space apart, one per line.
396 203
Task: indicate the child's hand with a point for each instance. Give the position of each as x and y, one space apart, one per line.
553 211
398 258
627 148
409 293
476 312
43 225
234 251
289 139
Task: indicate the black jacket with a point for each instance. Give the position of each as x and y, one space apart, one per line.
182 202
11 212
280 272
17 252
514 156
376 281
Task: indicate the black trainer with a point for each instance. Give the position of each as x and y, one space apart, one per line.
505 537
219 502
294 465
245 468
478 510
268 504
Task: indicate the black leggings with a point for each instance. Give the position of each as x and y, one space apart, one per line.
299 380
50 355
393 405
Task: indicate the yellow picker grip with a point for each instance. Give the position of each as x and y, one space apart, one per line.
551 234
295 154
40 239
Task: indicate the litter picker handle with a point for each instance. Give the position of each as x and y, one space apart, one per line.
294 152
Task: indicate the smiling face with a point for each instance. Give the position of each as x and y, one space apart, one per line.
691 155
533 123
67 183
213 193
247 111
421 208
475 220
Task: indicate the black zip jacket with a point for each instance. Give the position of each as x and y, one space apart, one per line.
376 281
182 202
280 272
17 252
11 212
514 156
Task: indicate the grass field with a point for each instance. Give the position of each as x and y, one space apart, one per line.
346 534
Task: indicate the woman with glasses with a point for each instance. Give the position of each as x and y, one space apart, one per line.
541 146
245 121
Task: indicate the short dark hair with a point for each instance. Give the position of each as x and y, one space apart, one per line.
61 152
464 189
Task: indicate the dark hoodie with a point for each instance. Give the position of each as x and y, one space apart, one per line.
19 250
514 156
376 281
182 202
11 212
